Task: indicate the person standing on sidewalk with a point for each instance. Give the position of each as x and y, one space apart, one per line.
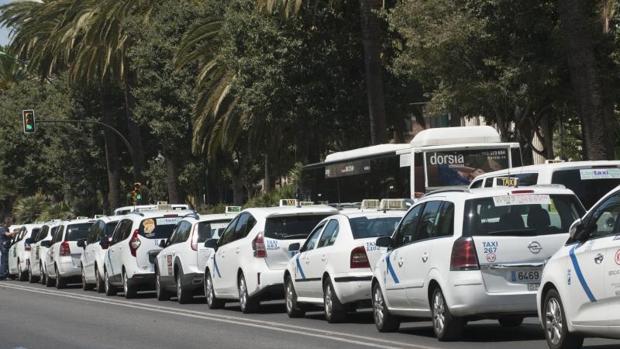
5 241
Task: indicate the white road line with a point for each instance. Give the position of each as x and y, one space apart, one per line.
274 326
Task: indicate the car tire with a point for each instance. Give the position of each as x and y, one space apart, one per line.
334 310
21 275
49 282
160 291
446 326
42 275
129 288
85 285
183 296
384 321
109 288
246 303
511 321
212 301
555 324
31 278
293 310
60 281
99 283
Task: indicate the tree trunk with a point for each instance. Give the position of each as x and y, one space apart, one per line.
237 187
171 180
373 69
111 154
594 108
135 138
267 178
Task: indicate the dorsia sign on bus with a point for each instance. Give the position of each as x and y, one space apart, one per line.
460 167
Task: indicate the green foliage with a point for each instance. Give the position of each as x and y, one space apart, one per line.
28 209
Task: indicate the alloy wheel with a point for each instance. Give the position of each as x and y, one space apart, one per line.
378 307
439 312
553 321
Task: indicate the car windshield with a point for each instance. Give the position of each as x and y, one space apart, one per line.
291 227
159 227
211 230
109 228
364 227
589 184
77 232
521 215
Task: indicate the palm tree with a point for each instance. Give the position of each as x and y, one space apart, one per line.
11 70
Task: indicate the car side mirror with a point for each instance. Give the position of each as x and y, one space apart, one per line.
211 243
162 243
294 247
46 243
578 231
81 243
384 241
104 243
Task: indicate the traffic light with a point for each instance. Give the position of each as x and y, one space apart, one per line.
29 122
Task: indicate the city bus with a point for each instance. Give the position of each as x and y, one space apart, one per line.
435 158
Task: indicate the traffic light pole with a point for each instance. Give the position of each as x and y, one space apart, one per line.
117 132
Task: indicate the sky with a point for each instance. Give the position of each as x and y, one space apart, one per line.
4 32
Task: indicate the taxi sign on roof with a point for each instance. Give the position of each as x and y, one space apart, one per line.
306 203
233 209
599 173
370 204
507 181
288 202
393 204
522 199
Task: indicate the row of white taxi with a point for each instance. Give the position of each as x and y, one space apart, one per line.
453 256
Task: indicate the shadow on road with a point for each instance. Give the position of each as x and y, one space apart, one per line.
484 332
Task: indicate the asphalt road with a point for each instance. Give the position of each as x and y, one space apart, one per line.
33 316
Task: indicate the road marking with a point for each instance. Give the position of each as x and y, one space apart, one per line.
270 325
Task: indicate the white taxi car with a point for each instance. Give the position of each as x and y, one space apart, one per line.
21 251
465 255
38 249
92 260
580 293
333 267
62 261
180 266
12 266
252 254
130 256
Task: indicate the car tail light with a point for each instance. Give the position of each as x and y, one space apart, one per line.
258 245
359 258
134 243
65 250
464 256
195 238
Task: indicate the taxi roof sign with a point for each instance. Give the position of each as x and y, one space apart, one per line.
370 204
232 209
507 181
393 204
288 202
306 203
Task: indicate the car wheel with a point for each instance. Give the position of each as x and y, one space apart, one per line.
128 288
555 325
85 285
109 288
511 321
21 275
42 276
183 296
49 282
60 281
212 301
31 278
384 321
162 294
446 326
334 310
99 284
248 304
292 308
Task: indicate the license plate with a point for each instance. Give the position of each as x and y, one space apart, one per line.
525 276
533 287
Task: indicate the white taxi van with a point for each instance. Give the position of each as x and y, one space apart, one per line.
580 293
459 256
333 266
252 254
589 180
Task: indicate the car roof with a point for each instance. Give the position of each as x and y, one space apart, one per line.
80 221
550 167
108 219
498 191
160 213
265 212
373 213
217 217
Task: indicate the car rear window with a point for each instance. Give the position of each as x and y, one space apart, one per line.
211 230
521 215
159 227
291 227
77 232
589 184
364 227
